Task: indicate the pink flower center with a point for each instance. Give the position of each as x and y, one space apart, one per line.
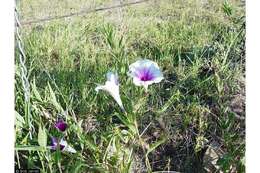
145 74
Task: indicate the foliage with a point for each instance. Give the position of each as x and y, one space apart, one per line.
198 45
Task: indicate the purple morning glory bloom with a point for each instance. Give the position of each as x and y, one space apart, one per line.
62 144
145 72
61 125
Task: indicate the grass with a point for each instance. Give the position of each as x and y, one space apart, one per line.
199 45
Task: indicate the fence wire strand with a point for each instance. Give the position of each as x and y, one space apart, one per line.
22 59
82 12
23 71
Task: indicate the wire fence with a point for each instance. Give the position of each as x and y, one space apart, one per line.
82 12
22 58
23 72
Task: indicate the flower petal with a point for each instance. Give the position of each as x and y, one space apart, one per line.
112 87
143 63
137 81
100 87
145 72
62 144
61 125
54 144
69 149
65 147
112 77
54 141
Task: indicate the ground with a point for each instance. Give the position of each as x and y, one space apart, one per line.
192 121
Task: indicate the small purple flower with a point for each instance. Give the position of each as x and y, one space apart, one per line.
62 144
61 125
54 144
145 72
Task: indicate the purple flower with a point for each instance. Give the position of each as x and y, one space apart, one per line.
62 144
112 87
61 125
54 144
145 72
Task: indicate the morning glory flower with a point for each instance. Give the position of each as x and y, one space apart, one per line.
62 144
60 125
145 72
112 87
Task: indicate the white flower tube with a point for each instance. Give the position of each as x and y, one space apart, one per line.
112 87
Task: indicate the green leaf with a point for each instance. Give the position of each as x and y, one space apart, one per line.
155 145
227 8
19 120
175 97
54 100
35 91
42 137
29 148
57 156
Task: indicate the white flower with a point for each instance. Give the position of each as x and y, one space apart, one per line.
145 72
112 87
62 144
67 147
